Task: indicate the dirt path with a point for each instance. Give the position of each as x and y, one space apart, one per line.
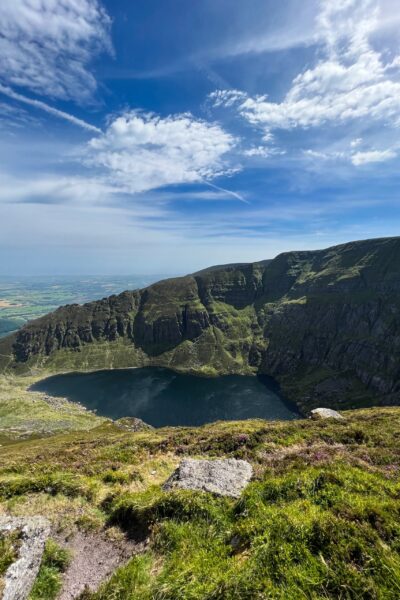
94 558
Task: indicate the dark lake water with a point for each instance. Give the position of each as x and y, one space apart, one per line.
162 397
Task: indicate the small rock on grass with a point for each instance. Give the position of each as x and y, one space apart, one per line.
326 413
133 424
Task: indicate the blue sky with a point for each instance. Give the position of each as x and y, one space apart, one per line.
164 136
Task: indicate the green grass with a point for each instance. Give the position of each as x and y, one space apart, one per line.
48 582
9 545
132 581
320 520
330 532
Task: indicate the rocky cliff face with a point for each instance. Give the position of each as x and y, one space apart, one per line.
326 324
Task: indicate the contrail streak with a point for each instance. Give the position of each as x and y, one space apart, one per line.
221 189
49 109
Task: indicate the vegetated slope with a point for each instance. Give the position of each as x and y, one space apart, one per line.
319 520
25 414
325 324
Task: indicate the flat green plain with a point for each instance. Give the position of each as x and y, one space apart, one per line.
25 298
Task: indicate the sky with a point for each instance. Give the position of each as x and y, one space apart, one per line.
166 136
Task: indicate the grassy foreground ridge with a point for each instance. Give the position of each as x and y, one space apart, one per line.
320 520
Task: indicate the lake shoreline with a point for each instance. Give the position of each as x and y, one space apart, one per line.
164 397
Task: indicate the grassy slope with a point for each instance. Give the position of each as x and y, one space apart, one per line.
25 414
320 520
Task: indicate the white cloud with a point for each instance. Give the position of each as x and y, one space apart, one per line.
372 156
329 155
357 158
356 142
352 81
143 151
47 46
258 151
264 151
228 98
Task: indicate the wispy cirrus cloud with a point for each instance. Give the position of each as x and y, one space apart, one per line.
47 188
47 46
142 151
13 118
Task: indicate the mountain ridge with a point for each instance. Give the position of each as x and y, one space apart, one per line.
324 323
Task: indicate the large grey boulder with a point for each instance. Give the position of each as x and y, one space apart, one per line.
326 413
21 575
225 477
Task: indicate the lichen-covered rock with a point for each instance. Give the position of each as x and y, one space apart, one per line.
226 477
21 575
326 413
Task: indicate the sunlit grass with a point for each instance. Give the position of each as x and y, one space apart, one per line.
320 520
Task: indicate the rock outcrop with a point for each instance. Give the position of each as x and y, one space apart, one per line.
133 424
326 413
21 575
325 324
227 477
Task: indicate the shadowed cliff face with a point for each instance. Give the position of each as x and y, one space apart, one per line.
326 324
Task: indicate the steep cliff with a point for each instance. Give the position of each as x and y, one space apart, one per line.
325 324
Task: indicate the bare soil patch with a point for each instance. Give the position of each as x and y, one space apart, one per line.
94 557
